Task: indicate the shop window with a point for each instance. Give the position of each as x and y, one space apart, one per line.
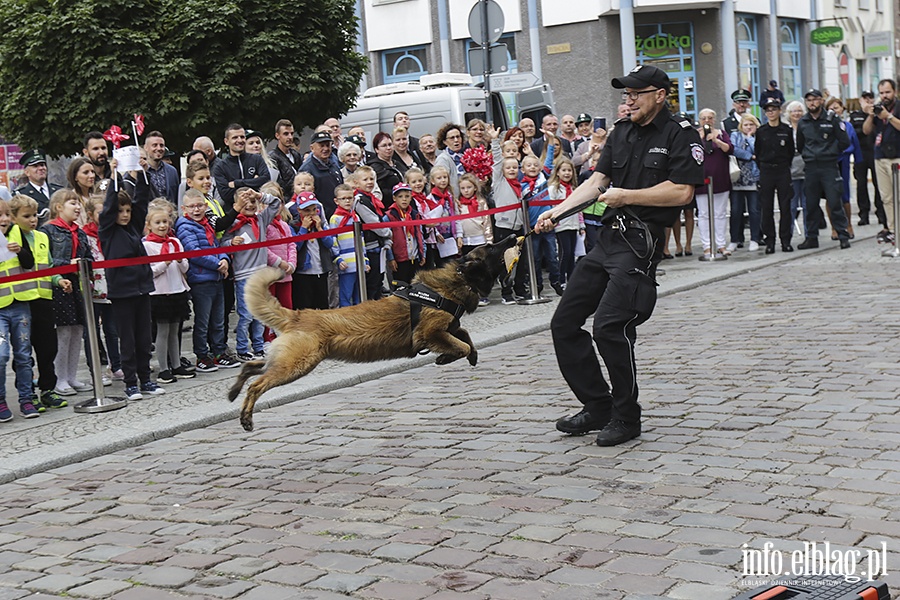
404 64
791 76
748 56
670 47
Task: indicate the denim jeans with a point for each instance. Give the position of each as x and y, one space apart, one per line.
740 199
249 330
15 328
208 298
544 246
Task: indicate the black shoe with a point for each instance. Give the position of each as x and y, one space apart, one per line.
580 423
808 243
558 288
770 249
617 432
787 248
845 243
863 221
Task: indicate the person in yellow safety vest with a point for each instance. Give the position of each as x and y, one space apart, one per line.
30 252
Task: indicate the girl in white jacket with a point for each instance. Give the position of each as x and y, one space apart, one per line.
562 182
169 299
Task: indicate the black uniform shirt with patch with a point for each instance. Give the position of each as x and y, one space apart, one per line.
774 146
640 157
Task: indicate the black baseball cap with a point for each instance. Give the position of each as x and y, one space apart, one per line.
583 118
773 83
866 94
740 95
320 136
642 76
356 140
813 92
772 102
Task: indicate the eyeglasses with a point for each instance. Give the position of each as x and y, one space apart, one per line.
635 95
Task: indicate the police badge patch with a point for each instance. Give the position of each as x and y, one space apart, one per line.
697 153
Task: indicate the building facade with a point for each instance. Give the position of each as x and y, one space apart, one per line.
868 52
578 46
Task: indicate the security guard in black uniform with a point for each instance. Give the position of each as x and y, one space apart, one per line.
774 150
821 139
654 163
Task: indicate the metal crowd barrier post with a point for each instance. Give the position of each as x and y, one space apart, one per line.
714 253
359 249
100 403
536 298
894 252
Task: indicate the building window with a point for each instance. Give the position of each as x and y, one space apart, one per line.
670 47
404 64
748 55
513 65
791 79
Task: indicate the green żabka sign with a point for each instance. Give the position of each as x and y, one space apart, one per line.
826 35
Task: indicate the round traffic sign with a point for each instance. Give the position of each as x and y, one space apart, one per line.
495 22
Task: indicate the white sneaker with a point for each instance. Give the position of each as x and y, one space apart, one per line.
81 387
106 381
64 390
731 247
753 247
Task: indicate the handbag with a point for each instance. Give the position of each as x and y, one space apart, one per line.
734 169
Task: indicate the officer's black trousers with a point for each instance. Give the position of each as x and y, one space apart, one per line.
615 286
824 180
770 181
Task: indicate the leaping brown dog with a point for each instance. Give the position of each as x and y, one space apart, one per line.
427 318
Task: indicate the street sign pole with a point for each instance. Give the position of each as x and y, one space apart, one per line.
485 50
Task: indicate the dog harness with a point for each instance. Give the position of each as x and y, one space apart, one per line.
419 295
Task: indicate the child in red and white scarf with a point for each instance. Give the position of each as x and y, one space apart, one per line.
67 244
169 298
435 205
408 250
474 231
283 256
562 180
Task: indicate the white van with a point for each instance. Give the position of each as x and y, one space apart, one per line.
440 98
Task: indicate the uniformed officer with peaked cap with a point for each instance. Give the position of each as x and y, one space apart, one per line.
647 172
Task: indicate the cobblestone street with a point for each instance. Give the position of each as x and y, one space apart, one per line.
771 414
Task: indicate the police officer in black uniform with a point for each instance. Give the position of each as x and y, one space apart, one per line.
862 169
774 152
653 161
821 139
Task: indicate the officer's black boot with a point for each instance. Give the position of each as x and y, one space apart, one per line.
810 242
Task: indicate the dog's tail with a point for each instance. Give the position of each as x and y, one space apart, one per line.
262 304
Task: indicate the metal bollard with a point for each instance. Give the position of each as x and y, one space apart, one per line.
536 298
359 250
714 253
100 403
895 186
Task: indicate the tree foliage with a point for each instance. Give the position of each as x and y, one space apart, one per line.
190 67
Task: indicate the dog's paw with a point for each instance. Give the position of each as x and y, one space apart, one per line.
473 357
247 422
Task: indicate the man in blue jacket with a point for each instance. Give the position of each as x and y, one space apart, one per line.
238 169
324 168
163 177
